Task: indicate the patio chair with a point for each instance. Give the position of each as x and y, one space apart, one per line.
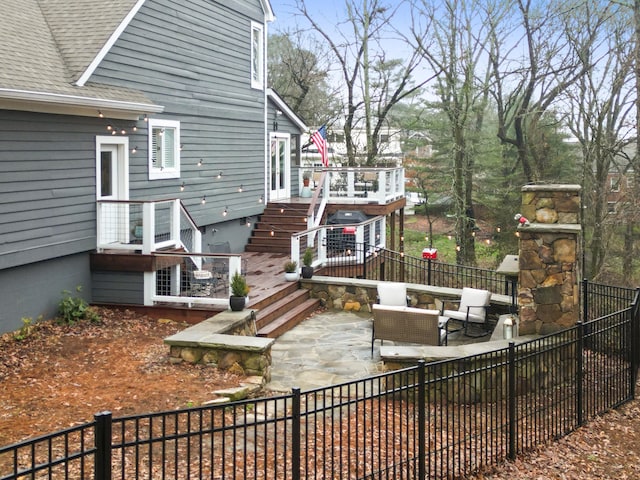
392 294
472 310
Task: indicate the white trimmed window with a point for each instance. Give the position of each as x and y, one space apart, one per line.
164 149
257 56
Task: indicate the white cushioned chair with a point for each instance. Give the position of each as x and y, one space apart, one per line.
472 309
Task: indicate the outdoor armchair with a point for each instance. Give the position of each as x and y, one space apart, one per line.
472 310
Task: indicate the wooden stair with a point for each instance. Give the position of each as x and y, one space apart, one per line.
281 313
272 232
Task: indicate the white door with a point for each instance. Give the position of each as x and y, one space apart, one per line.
280 165
112 173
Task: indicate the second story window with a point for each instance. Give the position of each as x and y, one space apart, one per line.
164 149
257 56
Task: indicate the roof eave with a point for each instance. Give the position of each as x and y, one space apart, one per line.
282 105
44 102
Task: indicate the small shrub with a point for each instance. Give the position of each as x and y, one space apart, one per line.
26 330
239 287
290 266
72 309
307 258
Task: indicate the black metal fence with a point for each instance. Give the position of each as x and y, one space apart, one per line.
364 261
445 419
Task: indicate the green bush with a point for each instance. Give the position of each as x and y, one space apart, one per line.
72 309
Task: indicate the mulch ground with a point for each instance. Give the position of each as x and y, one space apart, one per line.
60 376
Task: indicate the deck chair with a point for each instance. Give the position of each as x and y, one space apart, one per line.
472 310
392 294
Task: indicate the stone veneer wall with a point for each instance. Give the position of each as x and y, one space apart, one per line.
548 293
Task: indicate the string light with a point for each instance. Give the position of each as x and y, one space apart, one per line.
240 189
200 162
225 212
182 187
272 233
204 199
281 210
134 149
261 199
220 175
109 127
100 114
145 118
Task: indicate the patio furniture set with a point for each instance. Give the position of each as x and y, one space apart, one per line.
395 320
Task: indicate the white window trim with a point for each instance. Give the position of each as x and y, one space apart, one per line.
156 173
257 83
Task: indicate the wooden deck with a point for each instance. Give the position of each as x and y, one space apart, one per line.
265 276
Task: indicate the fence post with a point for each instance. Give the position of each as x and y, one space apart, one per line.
422 420
429 272
511 365
580 375
585 300
635 341
103 446
296 474
364 260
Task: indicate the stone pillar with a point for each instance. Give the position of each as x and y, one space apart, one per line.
549 258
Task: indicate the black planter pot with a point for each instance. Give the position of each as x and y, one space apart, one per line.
236 304
307 272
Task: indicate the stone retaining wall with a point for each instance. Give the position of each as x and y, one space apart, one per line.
226 341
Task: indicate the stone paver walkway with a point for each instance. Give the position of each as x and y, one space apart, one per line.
326 349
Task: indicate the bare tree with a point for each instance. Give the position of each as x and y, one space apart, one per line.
371 83
300 76
453 43
530 77
599 116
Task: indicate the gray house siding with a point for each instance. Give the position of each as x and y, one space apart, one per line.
193 58
125 288
35 290
47 186
221 116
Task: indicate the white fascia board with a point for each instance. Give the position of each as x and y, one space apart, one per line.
268 11
84 78
286 110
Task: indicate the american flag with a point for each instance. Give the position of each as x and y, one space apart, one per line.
319 138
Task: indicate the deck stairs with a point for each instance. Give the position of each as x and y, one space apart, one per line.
272 232
281 312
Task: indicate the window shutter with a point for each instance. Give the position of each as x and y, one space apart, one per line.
169 148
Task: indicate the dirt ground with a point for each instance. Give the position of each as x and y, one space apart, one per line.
62 375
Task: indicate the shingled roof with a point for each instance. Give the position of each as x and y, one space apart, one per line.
46 46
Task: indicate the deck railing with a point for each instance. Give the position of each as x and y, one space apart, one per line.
146 226
340 244
441 420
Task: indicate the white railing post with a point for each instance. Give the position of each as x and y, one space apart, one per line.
99 225
351 183
175 224
148 227
382 186
322 246
360 254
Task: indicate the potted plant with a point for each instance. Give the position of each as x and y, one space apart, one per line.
291 271
239 291
307 260
306 178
